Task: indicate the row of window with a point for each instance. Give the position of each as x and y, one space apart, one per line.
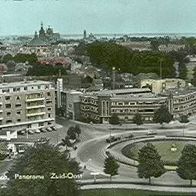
9 105
89 108
131 111
136 103
25 88
90 100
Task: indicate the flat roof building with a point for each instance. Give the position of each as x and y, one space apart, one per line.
27 105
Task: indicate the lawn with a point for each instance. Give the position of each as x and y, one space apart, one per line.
124 192
163 147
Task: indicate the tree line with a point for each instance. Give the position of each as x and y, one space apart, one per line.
108 55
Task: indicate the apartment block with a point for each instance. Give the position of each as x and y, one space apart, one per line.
27 105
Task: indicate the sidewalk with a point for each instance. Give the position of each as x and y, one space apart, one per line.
140 187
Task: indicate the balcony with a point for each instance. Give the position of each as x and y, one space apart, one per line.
34 99
34 107
36 114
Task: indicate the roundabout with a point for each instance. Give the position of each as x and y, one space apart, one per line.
97 149
169 148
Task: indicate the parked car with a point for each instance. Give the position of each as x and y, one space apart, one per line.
37 131
152 133
112 139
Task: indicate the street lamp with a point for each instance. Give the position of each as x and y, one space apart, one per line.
110 135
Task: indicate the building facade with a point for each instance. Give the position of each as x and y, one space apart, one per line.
162 85
99 106
28 105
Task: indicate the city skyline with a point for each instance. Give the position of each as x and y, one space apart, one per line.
113 16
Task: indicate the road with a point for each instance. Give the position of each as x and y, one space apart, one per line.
91 149
91 153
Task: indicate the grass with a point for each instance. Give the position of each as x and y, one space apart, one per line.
125 192
163 147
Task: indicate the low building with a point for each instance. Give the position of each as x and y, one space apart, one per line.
162 85
171 47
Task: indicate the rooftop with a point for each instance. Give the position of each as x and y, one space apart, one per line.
121 91
24 83
181 91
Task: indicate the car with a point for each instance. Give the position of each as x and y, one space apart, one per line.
30 132
152 133
54 128
21 132
43 130
37 131
49 129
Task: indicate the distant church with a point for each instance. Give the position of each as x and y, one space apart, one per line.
45 37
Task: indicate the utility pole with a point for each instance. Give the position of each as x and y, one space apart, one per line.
160 68
113 77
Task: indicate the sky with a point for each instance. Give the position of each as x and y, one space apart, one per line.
20 17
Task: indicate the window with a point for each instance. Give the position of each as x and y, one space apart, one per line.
19 120
18 112
41 124
8 121
5 90
18 105
8 105
8 113
120 103
49 109
7 98
25 88
48 93
17 98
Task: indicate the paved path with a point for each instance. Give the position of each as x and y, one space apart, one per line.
191 190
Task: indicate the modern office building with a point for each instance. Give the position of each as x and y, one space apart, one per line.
99 106
27 105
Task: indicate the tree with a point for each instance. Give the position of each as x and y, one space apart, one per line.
43 160
66 142
71 133
193 81
6 58
77 130
150 163
182 71
114 119
111 166
187 163
184 119
162 115
137 119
